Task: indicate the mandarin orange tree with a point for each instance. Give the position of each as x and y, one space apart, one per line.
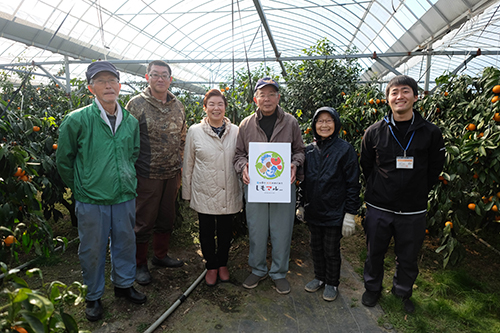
29 132
37 310
471 172
311 84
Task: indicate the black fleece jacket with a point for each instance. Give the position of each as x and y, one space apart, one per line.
401 190
331 185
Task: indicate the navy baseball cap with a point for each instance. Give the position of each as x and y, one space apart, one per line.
266 81
101 66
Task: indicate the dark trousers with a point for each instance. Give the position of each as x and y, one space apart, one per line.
211 226
325 249
155 206
408 232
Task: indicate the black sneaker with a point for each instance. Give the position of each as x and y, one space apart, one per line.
370 298
407 303
94 310
167 262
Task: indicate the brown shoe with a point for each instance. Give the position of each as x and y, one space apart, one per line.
223 274
211 277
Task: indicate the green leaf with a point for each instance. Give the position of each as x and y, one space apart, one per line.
69 323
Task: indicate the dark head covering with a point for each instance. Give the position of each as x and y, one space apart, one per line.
336 120
100 66
266 81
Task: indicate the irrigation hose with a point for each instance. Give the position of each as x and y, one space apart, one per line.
482 241
181 299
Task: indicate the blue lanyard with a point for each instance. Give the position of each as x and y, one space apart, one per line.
399 143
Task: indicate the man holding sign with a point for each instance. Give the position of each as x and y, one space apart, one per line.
402 156
274 218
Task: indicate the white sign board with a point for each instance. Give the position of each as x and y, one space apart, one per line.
269 171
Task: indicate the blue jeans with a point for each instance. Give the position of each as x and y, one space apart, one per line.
97 224
274 220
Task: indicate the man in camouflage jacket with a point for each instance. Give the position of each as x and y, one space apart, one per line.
162 126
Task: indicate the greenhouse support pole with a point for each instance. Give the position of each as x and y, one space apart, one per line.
427 71
68 75
181 299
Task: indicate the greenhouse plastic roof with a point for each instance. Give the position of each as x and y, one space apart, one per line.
206 41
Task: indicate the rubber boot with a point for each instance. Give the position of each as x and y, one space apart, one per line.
141 254
160 249
142 274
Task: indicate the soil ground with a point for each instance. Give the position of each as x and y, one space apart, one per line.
228 307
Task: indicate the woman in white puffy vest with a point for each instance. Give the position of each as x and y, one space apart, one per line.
211 184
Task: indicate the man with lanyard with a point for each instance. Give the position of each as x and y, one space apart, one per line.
98 146
401 158
162 125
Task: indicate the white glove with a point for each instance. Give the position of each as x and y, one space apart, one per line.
300 213
348 226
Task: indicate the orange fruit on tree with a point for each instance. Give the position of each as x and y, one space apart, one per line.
19 172
54 146
449 223
445 181
472 206
490 199
24 178
371 101
494 208
496 117
342 93
480 135
427 231
496 89
345 132
9 240
476 176
19 329
445 93
36 128
227 88
485 199
377 101
498 195
471 127
494 99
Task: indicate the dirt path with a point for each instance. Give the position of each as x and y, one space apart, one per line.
227 307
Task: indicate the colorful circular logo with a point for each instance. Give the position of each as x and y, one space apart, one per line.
270 165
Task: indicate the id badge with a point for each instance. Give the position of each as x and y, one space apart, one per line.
404 162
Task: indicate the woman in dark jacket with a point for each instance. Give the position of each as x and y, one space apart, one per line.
331 198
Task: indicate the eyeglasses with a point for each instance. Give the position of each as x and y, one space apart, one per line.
325 121
155 76
112 82
271 95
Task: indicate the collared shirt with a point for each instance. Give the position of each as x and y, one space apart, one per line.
112 123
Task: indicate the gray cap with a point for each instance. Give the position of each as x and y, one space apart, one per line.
101 66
